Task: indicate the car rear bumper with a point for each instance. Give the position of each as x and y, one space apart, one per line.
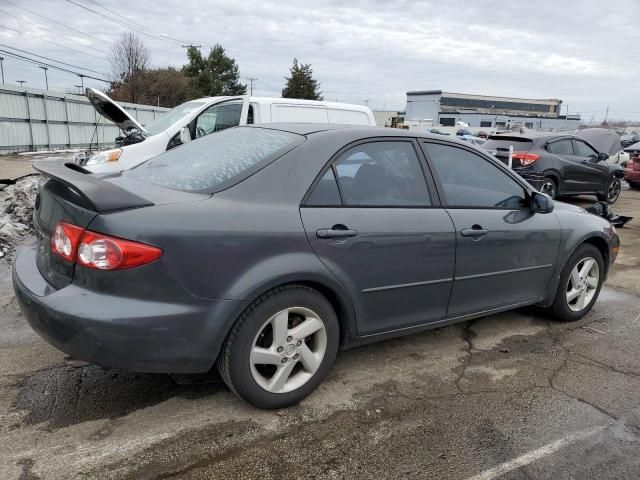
119 332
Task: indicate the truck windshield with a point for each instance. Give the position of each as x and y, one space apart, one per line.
172 116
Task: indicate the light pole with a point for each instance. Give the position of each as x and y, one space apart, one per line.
46 80
2 68
21 82
81 80
79 87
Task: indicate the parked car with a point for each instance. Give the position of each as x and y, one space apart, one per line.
437 131
630 139
564 163
472 139
197 118
632 173
464 131
263 250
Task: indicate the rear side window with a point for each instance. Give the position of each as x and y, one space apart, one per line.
218 160
562 147
325 193
380 174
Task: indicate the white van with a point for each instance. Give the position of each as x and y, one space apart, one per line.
198 118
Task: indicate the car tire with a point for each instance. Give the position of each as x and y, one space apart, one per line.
550 187
612 192
270 366
577 289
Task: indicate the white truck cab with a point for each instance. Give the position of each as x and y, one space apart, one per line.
197 118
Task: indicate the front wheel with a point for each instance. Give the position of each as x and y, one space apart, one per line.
281 347
580 284
614 187
549 187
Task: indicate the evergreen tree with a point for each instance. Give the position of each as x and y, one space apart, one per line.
301 83
218 74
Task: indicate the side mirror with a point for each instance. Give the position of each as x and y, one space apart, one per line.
541 203
602 156
185 135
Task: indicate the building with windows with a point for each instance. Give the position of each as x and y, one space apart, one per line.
447 109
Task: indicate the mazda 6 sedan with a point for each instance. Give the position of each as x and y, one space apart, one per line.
262 251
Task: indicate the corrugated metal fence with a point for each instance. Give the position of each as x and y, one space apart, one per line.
32 119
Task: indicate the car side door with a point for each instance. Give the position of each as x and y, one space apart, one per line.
594 171
373 219
505 253
566 164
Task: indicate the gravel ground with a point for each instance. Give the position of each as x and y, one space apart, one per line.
514 396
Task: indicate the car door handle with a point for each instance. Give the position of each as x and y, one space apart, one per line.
475 231
337 231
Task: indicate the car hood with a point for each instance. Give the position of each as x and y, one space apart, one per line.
112 111
602 139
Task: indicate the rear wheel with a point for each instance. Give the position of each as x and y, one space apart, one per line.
281 347
580 284
549 187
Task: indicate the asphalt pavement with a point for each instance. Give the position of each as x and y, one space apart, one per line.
515 395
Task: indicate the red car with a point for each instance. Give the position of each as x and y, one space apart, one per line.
632 174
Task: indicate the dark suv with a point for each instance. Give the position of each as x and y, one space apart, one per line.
559 164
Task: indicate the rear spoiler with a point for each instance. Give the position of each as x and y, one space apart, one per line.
98 194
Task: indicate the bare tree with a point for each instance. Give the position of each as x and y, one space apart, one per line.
129 57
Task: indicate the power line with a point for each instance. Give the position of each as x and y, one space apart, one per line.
52 42
127 24
50 59
54 21
136 23
36 62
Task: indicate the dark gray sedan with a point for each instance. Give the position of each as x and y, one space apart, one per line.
263 251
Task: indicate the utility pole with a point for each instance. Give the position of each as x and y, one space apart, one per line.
81 80
366 102
79 87
46 80
21 82
606 115
192 46
251 80
2 68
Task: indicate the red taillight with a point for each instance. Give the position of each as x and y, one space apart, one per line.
65 239
102 252
525 158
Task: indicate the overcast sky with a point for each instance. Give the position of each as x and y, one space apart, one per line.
583 52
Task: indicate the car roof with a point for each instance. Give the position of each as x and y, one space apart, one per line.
355 130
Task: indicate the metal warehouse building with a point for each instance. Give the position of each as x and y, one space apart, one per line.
446 108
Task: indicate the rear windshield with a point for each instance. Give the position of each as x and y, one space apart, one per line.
519 144
218 160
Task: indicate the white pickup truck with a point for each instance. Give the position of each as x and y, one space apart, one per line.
198 118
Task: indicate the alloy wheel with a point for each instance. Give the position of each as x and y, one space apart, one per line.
549 187
613 192
583 283
288 349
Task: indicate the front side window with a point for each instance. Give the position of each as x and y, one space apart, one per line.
469 180
217 160
584 150
562 147
219 117
380 174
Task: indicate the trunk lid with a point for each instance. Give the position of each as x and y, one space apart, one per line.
499 146
70 194
112 111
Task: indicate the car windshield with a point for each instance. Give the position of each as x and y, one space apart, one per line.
172 116
214 162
